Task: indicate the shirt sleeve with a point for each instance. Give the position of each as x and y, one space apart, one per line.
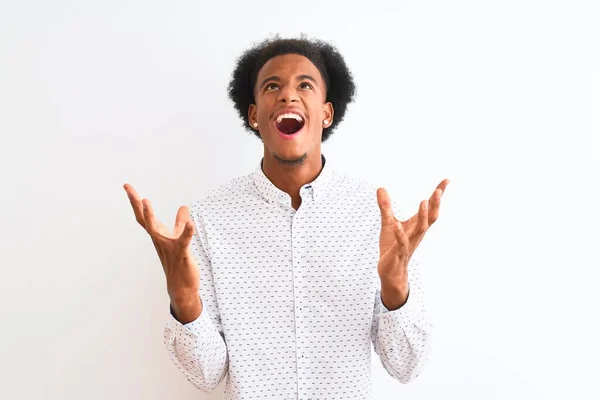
401 338
198 349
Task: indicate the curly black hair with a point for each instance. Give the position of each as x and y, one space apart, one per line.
328 60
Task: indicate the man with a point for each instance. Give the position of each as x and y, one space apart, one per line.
299 268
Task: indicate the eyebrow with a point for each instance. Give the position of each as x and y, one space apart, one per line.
298 78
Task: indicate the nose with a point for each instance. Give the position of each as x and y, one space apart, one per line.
288 94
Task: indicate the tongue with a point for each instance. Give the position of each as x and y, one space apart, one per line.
289 126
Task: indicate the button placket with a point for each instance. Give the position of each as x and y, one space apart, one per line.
298 294
299 285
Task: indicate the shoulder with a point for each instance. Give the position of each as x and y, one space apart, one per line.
363 190
354 184
216 197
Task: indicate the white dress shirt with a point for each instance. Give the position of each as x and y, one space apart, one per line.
291 298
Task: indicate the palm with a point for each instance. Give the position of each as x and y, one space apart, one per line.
399 239
179 265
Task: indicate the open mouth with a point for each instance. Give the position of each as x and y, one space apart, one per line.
289 123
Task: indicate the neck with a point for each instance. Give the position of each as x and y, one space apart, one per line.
290 177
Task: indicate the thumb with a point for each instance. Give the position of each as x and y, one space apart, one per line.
385 206
186 235
183 215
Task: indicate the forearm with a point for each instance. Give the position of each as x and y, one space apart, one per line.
402 329
194 335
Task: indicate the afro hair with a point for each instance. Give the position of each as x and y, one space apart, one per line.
326 58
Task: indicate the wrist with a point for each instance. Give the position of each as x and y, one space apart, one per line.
186 308
394 284
394 296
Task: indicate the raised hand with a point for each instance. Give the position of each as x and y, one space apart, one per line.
399 240
173 249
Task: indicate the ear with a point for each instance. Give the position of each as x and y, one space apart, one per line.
252 117
327 114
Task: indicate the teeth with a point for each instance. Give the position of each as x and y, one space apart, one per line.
289 115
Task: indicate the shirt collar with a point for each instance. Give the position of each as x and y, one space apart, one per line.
273 194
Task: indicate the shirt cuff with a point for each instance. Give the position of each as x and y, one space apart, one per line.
200 327
409 314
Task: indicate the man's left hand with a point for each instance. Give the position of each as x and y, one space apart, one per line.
398 241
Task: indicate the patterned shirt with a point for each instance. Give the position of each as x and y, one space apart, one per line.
292 298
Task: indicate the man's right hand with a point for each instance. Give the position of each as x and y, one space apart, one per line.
173 249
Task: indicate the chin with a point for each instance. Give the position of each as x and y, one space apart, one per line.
295 158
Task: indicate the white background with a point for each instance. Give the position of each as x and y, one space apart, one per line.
497 96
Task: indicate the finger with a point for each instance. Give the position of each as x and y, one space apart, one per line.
402 243
183 215
136 204
149 218
437 193
434 205
385 206
416 225
439 190
419 227
442 185
410 224
423 218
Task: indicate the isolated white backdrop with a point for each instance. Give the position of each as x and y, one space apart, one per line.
496 96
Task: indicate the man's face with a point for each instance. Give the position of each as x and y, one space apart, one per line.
290 107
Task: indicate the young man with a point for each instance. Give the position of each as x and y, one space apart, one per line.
300 268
